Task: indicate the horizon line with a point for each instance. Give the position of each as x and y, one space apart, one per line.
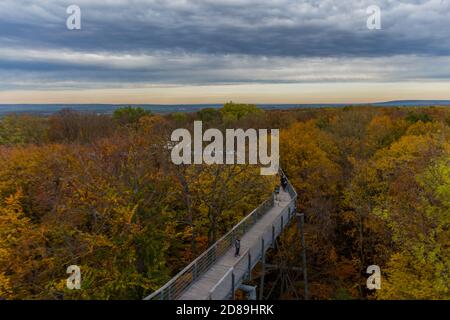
217 104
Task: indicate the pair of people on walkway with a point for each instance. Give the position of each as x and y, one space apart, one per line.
283 185
237 241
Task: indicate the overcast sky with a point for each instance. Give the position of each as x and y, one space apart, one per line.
212 51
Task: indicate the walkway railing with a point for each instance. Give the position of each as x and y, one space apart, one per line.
230 281
226 286
173 289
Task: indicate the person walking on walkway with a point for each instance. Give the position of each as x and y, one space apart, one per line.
237 245
284 182
277 193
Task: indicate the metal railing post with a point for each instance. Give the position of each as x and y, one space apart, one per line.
195 271
305 271
249 266
263 261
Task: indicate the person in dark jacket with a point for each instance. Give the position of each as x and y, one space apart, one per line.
284 182
237 245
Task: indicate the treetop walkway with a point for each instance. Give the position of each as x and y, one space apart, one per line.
216 274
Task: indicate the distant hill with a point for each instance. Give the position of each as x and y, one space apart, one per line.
46 109
412 103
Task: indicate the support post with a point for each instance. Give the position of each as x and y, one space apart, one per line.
249 267
273 236
232 285
305 271
249 290
195 273
263 261
214 255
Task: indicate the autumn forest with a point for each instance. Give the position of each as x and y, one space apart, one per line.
99 191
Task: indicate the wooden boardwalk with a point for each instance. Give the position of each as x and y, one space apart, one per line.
229 271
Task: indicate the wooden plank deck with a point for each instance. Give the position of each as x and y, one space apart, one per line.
219 276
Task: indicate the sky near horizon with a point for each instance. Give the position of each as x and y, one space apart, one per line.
213 51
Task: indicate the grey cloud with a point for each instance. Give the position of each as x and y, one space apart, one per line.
219 41
278 27
81 69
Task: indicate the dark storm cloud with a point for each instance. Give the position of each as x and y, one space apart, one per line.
169 40
286 28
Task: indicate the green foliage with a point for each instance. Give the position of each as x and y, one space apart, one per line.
414 117
233 111
209 114
179 116
420 269
23 129
130 116
347 108
447 121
